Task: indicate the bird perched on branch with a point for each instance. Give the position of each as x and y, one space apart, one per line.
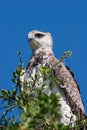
71 104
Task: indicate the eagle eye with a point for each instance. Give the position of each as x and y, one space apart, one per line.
39 35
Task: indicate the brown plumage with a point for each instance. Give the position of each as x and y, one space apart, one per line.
41 45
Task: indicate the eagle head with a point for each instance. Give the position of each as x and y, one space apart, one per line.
39 39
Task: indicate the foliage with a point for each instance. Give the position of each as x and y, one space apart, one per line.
35 109
65 55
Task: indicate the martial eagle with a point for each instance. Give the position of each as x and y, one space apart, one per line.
71 102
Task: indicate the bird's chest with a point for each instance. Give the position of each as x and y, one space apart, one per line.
43 78
34 78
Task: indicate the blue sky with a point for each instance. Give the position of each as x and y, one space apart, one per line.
66 20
